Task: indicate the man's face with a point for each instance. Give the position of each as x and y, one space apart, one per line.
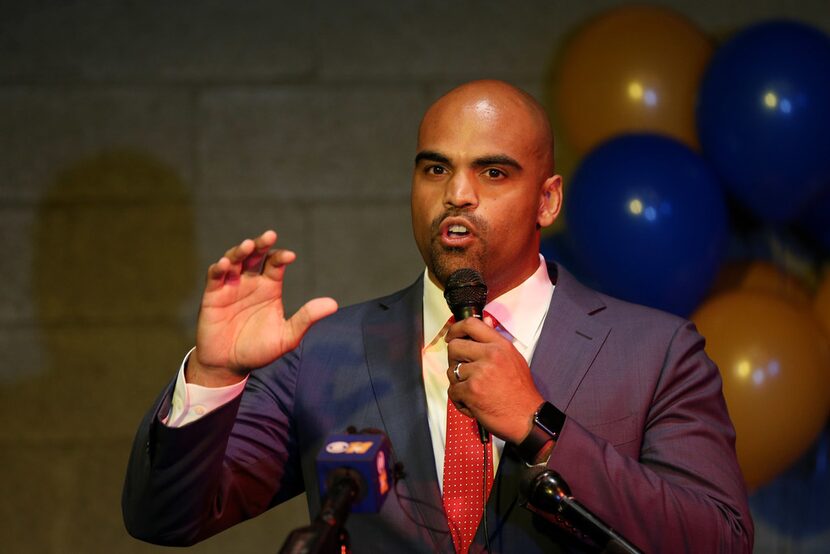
481 185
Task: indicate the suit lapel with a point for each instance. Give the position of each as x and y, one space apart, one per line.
568 344
393 336
570 339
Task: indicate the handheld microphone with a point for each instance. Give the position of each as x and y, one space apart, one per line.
545 492
466 295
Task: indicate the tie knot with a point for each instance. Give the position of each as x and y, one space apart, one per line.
487 318
490 320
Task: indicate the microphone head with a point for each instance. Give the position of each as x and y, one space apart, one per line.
543 489
465 293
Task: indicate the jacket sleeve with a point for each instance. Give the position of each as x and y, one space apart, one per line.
685 493
188 483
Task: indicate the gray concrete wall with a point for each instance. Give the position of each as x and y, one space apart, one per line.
138 140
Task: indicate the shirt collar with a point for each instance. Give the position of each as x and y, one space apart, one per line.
518 311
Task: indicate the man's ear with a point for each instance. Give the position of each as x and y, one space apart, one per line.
550 201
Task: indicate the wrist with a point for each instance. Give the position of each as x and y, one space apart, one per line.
546 425
543 455
197 373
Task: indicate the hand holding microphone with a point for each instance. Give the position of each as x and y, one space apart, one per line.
466 295
493 384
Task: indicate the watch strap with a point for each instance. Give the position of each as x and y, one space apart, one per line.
547 424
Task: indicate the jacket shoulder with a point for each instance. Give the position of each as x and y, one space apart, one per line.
614 312
351 316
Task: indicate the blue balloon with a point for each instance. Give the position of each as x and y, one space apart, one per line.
763 116
648 220
558 247
815 220
796 505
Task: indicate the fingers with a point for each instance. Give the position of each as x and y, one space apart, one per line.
493 384
454 373
252 262
461 407
216 274
464 350
473 328
310 313
275 263
457 392
464 375
248 254
246 257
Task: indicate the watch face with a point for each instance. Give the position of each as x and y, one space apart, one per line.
551 419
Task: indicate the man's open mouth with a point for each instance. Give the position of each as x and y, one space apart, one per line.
457 231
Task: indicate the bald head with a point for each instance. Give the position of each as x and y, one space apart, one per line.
502 105
483 185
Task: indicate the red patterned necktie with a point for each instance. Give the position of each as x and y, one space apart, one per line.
464 474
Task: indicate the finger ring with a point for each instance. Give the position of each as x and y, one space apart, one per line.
456 373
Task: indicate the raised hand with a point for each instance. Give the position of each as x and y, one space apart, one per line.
242 324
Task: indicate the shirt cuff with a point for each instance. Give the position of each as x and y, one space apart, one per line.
190 402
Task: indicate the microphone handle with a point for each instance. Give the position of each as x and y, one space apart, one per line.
326 533
613 542
547 493
483 434
463 313
342 492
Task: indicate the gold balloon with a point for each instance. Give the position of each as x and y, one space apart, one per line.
774 363
634 68
762 276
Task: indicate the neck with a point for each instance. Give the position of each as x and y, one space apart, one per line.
496 285
500 284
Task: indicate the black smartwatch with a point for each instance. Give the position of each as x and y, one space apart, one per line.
547 424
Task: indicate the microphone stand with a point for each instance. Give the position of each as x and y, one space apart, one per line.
327 534
548 495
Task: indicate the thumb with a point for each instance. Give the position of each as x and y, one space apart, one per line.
312 311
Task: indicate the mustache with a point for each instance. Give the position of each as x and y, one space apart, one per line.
479 223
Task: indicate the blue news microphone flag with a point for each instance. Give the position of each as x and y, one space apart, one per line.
366 457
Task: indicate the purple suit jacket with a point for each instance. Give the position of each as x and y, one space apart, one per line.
647 446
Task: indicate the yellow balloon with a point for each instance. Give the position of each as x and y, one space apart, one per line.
774 363
634 68
762 276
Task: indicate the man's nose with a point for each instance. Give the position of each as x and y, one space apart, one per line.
461 192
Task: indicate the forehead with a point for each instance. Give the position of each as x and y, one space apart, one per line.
470 127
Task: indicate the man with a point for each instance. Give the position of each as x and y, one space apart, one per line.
641 430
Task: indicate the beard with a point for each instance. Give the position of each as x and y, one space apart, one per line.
444 260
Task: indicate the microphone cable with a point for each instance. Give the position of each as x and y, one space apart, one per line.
484 494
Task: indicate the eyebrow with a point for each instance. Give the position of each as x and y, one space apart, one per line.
431 156
495 159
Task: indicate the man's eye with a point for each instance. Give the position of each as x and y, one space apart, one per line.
493 173
436 170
